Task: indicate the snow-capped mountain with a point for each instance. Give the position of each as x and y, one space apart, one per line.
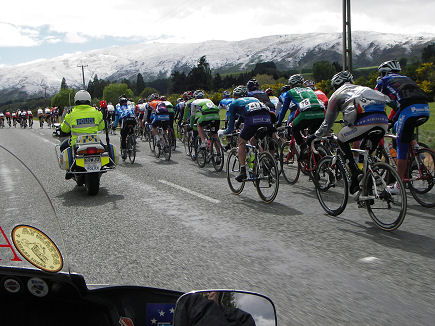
155 60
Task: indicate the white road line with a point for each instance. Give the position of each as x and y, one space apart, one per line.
197 194
369 259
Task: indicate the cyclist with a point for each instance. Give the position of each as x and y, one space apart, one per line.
110 113
40 114
320 95
272 98
410 104
363 111
125 114
307 111
254 91
157 115
224 104
48 116
255 113
23 118
8 118
205 114
141 108
188 97
30 117
2 119
14 118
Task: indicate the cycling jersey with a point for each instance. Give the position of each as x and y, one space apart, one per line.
322 96
123 112
262 97
186 114
39 112
225 104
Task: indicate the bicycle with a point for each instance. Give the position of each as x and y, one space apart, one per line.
162 146
2 123
41 122
31 122
172 138
387 211
263 171
130 149
420 173
213 152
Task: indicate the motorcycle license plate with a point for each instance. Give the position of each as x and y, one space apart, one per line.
92 163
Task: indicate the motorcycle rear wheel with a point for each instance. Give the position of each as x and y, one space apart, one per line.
92 182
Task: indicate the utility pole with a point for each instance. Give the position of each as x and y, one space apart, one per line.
347 38
83 74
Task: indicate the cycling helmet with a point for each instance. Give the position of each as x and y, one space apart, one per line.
389 67
187 95
252 84
284 89
198 94
123 100
226 94
340 78
162 98
269 92
153 96
310 83
296 80
82 97
240 91
179 100
103 104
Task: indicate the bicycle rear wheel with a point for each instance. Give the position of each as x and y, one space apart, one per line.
267 177
152 143
166 146
217 155
315 159
421 173
387 209
331 185
131 148
233 170
201 157
289 162
194 146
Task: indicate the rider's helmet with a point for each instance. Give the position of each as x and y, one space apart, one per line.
163 98
153 96
187 95
123 100
310 83
198 94
240 91
179 100
226 94
82 97
103 104
269 92
389 67
340 78
252 85
296 80
284 88
140 101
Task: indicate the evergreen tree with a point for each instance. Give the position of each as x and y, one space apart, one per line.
63 84
200 76
323 70
140 84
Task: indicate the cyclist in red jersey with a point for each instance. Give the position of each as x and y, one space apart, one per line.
320 95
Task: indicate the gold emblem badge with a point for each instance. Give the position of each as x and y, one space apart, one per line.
37 248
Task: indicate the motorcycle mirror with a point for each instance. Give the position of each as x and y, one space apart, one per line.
224 308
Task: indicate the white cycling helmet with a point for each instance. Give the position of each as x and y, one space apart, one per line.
341 78
240 91
198 94
389 67
82 97
295 80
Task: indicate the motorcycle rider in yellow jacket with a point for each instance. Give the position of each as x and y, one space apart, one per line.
83 119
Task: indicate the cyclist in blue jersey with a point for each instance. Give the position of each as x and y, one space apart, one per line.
225 104
284 89
410 104
255 115
125 114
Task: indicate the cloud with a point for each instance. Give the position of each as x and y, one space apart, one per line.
11 36
73 37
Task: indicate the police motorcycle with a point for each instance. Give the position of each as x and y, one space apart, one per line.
39 285
87 159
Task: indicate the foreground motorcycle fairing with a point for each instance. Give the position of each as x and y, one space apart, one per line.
37 286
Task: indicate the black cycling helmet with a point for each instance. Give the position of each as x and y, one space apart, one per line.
123 100
285 88
340 78
252 84
152 97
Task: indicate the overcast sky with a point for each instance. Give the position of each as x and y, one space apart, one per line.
33 29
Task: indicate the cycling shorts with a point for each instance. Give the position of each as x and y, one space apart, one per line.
406 124
253 122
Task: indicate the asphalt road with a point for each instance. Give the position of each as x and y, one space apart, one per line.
176 226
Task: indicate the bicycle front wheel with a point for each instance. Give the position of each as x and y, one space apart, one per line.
384 197
131 148
233 170
421 173
267 177
167 149
331 185
289 162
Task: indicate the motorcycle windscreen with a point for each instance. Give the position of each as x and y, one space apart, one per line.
30 234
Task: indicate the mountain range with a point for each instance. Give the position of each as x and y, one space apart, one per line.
158 60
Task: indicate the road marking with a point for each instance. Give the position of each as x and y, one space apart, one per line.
197 194
369 259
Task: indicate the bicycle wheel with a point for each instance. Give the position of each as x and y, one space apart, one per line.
166 146
172 138
421 172
289 162
152 143
201 157
233 170
387 209
331 185
186 142
131 148
267 177
315 159
217 155
194 146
